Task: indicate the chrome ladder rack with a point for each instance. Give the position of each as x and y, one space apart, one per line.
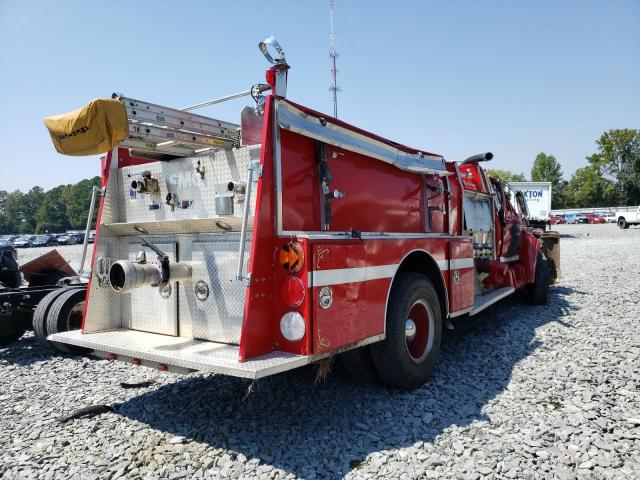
170 131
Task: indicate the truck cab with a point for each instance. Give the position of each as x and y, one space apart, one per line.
626 219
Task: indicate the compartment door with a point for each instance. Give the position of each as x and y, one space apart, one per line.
144 309
461 275
341 270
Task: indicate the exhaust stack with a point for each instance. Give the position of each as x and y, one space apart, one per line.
480 157
125 276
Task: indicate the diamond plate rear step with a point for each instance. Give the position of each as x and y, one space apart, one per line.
185 353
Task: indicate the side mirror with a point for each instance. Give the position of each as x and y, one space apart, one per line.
501 216
522 204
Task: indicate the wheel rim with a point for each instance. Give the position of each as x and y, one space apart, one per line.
74 319
419 328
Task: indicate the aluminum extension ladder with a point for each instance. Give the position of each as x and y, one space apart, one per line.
178 133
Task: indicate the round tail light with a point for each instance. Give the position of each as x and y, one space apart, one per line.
292 326
292 291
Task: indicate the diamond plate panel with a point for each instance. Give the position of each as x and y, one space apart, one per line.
215 261
194 196
104 309
144 309
190 354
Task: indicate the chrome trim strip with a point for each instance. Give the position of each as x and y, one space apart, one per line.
443 265
277 153
510 259
458 263
322 235
457 313
295 120
507 291
338 276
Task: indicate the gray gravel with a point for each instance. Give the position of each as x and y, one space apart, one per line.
520 392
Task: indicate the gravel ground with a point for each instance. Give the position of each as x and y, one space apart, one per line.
519 392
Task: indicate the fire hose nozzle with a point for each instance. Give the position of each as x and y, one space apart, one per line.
125 276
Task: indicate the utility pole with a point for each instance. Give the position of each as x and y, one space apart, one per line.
333 56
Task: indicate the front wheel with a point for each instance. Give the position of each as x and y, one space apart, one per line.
407 356
622 223
536 293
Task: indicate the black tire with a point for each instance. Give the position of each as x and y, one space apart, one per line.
400 362
7 337
64 315
536 293
359 364
40 316
622 223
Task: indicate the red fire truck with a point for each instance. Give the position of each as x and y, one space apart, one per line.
253 248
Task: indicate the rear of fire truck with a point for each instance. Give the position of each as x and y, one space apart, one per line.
253 248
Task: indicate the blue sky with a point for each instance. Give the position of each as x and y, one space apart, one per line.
454 77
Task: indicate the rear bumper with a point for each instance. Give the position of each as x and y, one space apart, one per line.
186 354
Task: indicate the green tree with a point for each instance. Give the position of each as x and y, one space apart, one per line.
506 175
546 169
12 209
31 201
588 188
78 200
51 216
618 158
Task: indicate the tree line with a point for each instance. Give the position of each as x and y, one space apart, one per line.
611 176
62 208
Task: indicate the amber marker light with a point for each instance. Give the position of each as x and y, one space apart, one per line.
292 257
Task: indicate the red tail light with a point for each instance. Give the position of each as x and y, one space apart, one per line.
292 291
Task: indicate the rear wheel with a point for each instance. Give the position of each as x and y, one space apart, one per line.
622 223
407 356
536 293
359 364
66 315
40 316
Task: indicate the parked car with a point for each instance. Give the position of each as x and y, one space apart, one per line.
67 240
557 220
25 241
8 238
610 217
596 218
44 241
626 219
580 218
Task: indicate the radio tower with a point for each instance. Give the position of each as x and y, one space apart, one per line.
333 55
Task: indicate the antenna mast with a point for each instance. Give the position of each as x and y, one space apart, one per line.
333 55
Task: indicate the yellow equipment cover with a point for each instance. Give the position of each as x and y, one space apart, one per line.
95 128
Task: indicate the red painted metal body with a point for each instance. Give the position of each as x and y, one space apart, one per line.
384 220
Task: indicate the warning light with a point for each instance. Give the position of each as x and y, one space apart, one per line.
292 257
